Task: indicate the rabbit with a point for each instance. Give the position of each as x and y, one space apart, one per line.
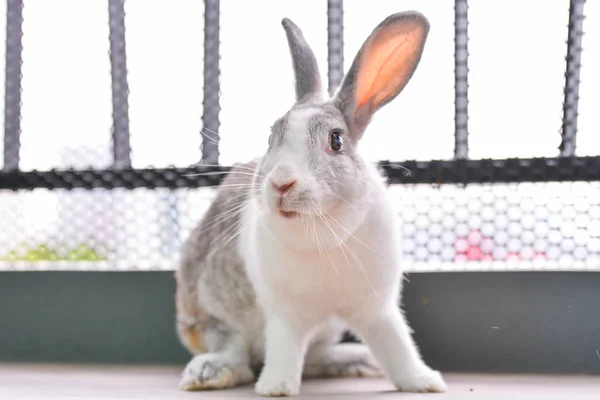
303 243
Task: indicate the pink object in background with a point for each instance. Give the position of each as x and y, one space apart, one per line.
461 245
473 253
487 246
477 247
474 238
512 257
460 258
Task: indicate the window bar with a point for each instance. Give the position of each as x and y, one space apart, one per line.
120 87
514 170
12 81
461 82
210 119
335 43
571 99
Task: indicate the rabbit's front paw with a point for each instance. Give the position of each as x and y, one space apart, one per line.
211 371
422 380
276 387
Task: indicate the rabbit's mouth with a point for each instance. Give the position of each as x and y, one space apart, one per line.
288 214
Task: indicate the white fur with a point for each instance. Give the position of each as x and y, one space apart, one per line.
299 289
337 263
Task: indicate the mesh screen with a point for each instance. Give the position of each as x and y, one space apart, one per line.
103 88
480 227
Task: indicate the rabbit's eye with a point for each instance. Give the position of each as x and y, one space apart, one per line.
335 140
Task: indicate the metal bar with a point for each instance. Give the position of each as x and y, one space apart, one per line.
409 172
571 99
335 43
120 87
12 82
461 81
210 119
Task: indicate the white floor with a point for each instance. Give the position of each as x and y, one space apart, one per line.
24 382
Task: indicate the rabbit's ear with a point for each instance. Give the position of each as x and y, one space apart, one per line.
306 70
382 67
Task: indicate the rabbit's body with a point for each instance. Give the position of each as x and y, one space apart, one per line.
304 242
210 313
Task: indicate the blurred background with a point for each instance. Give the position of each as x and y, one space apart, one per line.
516 84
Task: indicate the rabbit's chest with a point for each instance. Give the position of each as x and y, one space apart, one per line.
325 278
324 281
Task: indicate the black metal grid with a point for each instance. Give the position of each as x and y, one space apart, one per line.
559 169
567 167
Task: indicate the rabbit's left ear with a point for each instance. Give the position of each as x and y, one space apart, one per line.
306 69
382 68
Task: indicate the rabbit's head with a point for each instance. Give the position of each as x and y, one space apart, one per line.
312 166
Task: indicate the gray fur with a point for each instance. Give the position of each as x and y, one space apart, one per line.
217 312
338 174
306 69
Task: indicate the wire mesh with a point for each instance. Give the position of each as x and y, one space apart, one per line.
97 229
521 226
98 213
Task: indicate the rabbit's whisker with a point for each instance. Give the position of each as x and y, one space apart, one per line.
316 237
212 173
262 223
243 194
241 227
213 140
210 131
345 201
239 186
320 211
223 216
242 167
408 171
335 221
230 230
355 257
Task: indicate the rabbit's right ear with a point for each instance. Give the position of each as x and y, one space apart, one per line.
306 70
382 68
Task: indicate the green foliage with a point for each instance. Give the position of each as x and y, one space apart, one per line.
42 253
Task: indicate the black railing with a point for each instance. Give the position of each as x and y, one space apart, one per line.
120 87
12 86
569 125
565 167
210 119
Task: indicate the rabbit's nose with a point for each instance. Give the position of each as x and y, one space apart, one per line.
284 187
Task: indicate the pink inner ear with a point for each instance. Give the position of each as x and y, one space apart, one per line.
387 61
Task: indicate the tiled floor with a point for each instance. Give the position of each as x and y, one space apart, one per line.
100 383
